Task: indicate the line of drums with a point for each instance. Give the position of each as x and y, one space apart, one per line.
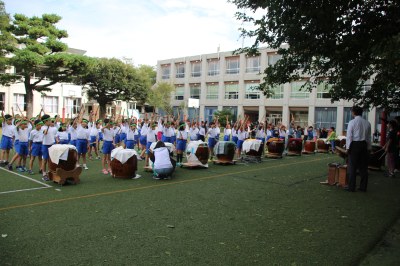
124 161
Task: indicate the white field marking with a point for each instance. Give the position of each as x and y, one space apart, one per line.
31 179
21 190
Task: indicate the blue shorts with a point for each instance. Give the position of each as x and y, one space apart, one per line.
100 136
211 142
6 143
143 140
63 141
226 138
240 144
122 137
130 144
16 145
148 146
81 146
173 139
73 142
136 138
262 139
107 147
23 148
36 149
117 138
181 144
93 140
45 151
235 139
166 139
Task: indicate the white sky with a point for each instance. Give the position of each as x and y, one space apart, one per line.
145 31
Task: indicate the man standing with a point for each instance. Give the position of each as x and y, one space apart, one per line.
358 145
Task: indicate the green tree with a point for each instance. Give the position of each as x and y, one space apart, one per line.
110 79
221 115
42 60
8 45
160 96
345 42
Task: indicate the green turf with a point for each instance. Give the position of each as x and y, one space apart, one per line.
275 212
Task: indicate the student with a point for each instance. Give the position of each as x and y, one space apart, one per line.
94 139
167 133
227 132
242 135
72 133
62 135
212 139
82 143
194 132
331 138
150 138
391 148
35 146
49 134
181 140
24 128
7 138
130 136
143 137
108 145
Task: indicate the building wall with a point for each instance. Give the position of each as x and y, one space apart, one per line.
287 107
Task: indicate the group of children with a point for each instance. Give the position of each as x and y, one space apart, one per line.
33 137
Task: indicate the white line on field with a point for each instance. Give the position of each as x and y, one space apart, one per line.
26 177
21 190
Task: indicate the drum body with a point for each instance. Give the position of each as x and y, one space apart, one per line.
202 153
225 151
343 180
295 146
309 147
252 152
126 170
275 148
322 146
65 170
376 158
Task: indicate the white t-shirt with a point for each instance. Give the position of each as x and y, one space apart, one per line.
161 158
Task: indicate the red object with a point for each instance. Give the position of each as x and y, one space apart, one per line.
383 127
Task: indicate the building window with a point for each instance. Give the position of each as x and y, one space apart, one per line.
231 90
165 71
323 90
252 91
232 65
273 58
209 113
253 64
213 67
234 112
325 117
19 102
50 104
180 70
195 91
347 116
179 92
277 92
72 105
2 100
212 91
196 68
298 92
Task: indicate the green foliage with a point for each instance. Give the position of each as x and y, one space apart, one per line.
109 79
160 96
221 115
346 42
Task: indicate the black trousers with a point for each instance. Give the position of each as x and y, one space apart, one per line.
358 160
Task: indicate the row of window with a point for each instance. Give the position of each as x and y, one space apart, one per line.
49 103
232 66
231 91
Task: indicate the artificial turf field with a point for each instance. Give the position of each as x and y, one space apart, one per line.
269 213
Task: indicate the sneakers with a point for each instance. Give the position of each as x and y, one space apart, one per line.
85 167
40 171
31 172
178 164
10 167
98 158
45 178
105 171
136 176
109 171
21 169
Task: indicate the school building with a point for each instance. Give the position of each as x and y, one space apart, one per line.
224 80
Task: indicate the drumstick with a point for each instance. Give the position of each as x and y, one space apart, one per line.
19 109
382 155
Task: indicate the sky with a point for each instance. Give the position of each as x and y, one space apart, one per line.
141 30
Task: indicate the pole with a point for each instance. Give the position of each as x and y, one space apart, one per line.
383 127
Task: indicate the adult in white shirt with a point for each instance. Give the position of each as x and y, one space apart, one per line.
164 165
358 145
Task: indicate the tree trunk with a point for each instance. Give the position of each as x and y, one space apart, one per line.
383 127
29 97
102 110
